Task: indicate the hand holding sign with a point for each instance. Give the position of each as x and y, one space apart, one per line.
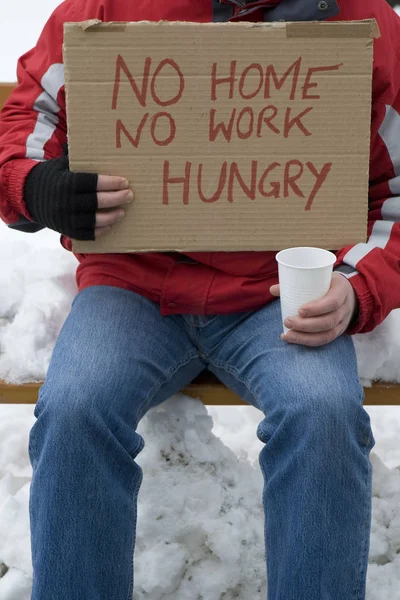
111 192
68 201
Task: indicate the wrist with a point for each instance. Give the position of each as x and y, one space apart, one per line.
356 312
355 316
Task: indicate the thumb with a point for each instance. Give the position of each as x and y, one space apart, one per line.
275 289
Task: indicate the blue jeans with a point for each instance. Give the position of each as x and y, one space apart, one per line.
114 360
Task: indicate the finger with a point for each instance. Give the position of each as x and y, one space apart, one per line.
275 289
314 324
314 339
99 231
109 218
111 183
332 301
111 199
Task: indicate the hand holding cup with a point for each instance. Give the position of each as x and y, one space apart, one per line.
317 304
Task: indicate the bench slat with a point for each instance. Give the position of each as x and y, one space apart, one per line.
5 91
207 388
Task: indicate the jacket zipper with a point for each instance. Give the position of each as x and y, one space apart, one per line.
243 7
237 3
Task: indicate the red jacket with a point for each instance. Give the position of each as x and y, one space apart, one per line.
33 127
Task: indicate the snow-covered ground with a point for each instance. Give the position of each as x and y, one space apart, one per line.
210 513
224 549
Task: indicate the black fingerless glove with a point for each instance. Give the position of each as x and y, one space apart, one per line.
61 200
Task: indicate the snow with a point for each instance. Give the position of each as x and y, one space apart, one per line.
37 286
205 540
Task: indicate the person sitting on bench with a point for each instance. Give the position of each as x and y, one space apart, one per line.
142 326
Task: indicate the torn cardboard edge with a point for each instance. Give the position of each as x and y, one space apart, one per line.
314 29
348 29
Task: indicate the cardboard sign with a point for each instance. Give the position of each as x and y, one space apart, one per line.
234 136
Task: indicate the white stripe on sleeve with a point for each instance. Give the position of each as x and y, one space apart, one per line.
391 209
47 108
379 238
381 231
390 134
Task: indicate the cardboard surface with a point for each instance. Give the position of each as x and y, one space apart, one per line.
234 136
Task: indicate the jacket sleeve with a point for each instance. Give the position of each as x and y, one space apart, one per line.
373 268
33 120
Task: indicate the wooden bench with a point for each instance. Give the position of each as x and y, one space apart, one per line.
5 90
206 386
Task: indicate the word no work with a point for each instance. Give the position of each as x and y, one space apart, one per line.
252 81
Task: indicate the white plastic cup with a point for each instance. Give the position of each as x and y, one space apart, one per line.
304 275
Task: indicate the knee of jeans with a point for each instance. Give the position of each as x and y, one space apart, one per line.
73 401
76 411
322 409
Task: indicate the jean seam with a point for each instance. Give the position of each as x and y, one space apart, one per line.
367 508
232 371
366 540
166 379
37 401
209 321
360 423
135 492
196 338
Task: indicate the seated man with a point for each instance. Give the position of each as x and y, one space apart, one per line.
142 326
